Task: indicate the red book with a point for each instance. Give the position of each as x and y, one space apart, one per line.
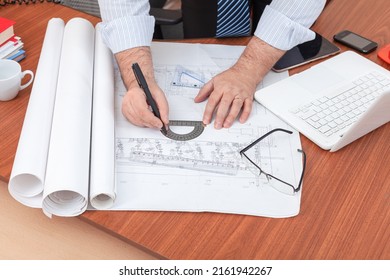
6 29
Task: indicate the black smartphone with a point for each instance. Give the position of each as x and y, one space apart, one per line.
305 53
355 41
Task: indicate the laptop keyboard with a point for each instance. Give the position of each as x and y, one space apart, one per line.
331 114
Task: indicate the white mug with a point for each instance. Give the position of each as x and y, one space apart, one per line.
11 76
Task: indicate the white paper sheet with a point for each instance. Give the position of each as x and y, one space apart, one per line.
29 168
102 186
67 174
154 186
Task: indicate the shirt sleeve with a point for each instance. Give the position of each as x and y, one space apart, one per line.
126 24
285 23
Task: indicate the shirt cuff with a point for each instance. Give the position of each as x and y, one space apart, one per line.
128 32
281 32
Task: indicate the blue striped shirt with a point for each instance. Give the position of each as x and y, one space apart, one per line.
283 24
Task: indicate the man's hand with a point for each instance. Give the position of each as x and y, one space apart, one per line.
231 92
134 105
136 109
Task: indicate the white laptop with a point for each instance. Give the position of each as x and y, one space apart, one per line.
334 102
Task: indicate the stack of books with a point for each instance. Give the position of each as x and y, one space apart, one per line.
11 46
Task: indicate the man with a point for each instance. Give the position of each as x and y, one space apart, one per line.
128 30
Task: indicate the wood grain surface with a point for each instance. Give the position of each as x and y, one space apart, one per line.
345 209
31 22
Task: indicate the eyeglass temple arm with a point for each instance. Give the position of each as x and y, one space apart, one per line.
300 180
262 137
303 169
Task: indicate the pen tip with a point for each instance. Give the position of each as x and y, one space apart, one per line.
164 130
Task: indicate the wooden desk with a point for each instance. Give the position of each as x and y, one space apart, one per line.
345 210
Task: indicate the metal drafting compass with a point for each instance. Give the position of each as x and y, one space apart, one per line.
197 126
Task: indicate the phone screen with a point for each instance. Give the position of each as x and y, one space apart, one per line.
356 40
306 52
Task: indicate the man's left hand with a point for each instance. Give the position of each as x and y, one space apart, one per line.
229 94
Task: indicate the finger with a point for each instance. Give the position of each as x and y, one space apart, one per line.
204 92
163 107
210 107
148 119
234 111
222 111
148 116
128 111
137 111
153 123
144 116
246 110
128 114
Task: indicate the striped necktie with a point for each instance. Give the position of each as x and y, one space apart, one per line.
233 18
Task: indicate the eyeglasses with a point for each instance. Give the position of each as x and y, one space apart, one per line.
277 183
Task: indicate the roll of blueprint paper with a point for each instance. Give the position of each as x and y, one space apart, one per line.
28 172
102 185
67 173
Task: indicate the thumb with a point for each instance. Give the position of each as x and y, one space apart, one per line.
163 107
204 92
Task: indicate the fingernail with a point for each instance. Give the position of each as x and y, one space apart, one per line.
217 125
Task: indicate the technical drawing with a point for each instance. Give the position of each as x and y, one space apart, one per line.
208 156
206 173
222 158
214 161
187 78
183 80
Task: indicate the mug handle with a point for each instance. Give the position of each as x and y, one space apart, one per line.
24 73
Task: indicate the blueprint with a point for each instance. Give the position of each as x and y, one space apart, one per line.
205 173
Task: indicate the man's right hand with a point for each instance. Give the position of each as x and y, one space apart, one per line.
134 105
137 111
